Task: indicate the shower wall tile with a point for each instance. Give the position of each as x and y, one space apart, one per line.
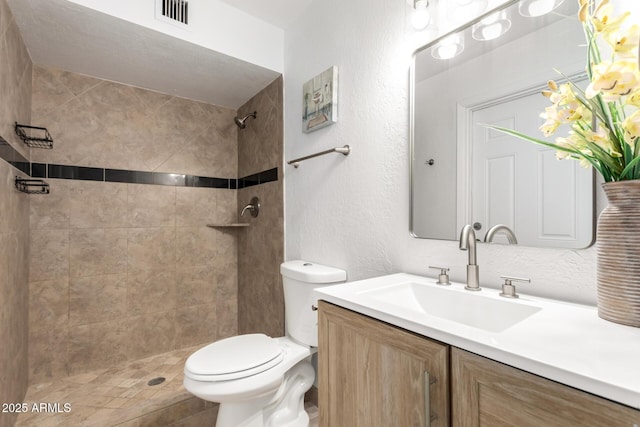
48 354
107 124
151 248
195 324
228 208
15 105
48 304
227 283
260 145
53 88
49 254
151 291
260 253
151 333
195 245
121 271
5 17
195 285
261 246
17 82
97 344
97 299
97 251
151 206
97 204
227 326
226 247
54 210
198 206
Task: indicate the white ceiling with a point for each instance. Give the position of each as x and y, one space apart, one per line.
66 35
280 13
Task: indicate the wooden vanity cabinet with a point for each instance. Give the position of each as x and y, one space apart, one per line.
372 374
489 393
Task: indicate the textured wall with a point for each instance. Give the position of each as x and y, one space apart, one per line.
354 212
15 105
123 271
261 245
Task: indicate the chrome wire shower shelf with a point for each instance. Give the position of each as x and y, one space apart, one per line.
32 186
34 136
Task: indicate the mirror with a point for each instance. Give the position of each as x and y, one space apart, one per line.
464 173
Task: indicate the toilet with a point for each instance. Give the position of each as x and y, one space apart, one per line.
260 381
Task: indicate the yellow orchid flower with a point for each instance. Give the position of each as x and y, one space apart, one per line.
583 113
563 96
601 139
634 98
576 142
552 121
631 126
562 142
613 80
603 20
625 44
583 13
584 163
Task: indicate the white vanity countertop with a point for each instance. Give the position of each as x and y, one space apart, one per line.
564 342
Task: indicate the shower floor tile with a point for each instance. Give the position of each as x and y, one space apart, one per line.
120 396
109 397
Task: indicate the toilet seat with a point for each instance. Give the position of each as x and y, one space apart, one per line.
234 358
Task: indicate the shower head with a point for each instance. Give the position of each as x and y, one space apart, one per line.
241 122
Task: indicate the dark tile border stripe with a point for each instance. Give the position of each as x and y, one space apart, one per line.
13 157
44 170
258 178
75 172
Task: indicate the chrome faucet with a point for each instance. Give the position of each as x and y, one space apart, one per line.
511 236
468 243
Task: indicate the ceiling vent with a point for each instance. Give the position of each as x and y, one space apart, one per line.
173 11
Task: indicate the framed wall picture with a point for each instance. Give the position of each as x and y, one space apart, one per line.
320 100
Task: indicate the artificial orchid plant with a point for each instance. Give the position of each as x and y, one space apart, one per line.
604 118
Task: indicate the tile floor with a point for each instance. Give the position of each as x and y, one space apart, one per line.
121 396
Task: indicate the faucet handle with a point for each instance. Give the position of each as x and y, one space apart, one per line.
443 277
508 288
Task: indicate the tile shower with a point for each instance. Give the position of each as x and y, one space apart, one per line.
123 271
107 273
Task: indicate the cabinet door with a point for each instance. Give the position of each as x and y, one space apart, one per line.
488 393
376 375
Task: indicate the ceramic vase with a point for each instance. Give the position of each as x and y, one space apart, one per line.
618 254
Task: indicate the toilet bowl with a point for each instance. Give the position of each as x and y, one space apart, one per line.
260 381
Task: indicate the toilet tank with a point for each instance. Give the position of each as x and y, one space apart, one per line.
299 279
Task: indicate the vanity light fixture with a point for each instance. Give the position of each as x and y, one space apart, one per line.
533 8
421 16
449 47
491 27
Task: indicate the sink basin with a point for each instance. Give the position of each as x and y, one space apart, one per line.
469 308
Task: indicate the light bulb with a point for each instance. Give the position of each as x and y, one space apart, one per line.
421 16
533 8
448 48
491 27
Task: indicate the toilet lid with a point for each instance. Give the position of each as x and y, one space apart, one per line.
235 357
